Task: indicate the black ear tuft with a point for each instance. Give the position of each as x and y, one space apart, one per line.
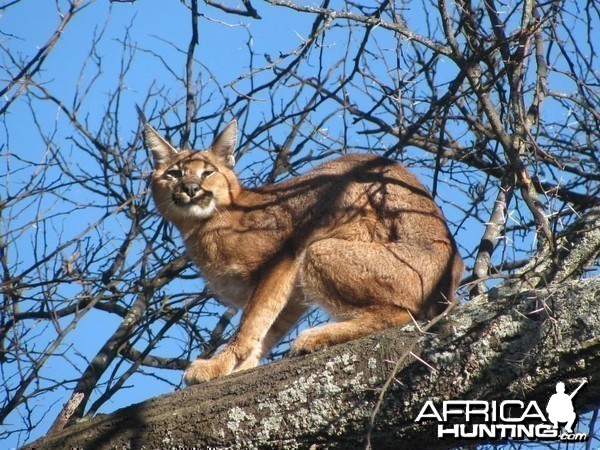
141 115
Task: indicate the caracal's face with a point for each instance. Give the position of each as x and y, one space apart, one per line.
190 184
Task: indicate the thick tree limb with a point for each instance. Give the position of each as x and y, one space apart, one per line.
515 347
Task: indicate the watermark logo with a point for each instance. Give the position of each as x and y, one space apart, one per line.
560 407
506 419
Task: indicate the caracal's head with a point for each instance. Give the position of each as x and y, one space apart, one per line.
191 184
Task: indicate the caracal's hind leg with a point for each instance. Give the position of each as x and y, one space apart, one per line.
368 287
364 322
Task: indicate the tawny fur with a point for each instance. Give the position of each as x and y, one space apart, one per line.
358 235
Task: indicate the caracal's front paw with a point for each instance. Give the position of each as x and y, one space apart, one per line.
204 370
310 341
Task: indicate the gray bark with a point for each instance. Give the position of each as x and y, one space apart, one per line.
514 343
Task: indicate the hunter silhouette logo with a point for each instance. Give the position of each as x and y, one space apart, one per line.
560 407
506 419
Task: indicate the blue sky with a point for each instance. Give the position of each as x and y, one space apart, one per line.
155 29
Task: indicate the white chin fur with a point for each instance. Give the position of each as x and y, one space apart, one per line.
197 211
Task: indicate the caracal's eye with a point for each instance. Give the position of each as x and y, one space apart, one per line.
206 174
174 173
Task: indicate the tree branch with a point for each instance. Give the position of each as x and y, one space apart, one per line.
481 351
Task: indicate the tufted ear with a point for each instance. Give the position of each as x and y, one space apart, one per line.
224 144
160 148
